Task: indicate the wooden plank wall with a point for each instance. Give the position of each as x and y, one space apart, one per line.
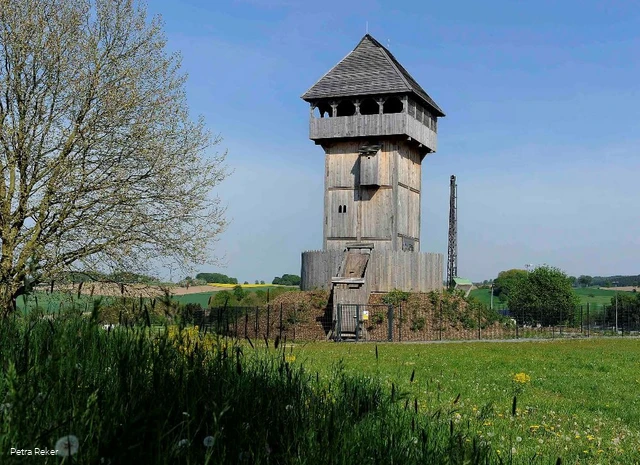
369 171
372 125
376 215
408 271
386 270
341 225
318 267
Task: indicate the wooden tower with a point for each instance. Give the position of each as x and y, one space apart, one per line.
376 125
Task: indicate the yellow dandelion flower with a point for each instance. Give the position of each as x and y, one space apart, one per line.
521 378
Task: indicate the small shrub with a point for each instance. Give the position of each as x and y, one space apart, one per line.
396 296
418 323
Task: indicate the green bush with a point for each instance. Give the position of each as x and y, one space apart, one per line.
395 296
418 323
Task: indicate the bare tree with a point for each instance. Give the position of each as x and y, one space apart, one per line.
100 163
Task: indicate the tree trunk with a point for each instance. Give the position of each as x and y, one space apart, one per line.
8 296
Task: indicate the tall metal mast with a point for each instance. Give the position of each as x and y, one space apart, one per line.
452 252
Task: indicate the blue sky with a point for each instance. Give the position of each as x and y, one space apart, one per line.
542 128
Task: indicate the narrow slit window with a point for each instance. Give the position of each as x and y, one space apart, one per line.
340 209
344 209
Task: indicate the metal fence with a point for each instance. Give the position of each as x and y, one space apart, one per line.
290 322
413 323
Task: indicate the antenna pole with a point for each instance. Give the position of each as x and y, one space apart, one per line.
452 251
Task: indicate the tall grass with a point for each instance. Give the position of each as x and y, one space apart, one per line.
133 395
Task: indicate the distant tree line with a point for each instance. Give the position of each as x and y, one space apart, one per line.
605 281
124 277
633 280
216 278
287 280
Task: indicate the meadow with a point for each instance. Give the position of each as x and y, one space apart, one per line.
575 399
180 395
139 395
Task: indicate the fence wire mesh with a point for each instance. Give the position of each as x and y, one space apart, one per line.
415 323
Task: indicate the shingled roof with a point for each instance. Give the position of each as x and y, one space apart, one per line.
369 69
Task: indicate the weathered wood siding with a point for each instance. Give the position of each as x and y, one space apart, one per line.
369 170
341 225
409 166
386 270
318 267
408 271
384 213
372 125
342 164
377 211
413 223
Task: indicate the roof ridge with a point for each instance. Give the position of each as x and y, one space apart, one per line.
357 73
390 58
336 65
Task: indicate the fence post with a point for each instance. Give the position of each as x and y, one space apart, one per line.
357 322
268 319
588 322
390 323
400 321
339 322
257 311
281 320
235 325
479 335
246 323
440 323
581 326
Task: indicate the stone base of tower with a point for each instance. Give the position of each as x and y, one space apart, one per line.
386 270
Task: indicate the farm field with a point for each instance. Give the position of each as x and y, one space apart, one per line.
195 294
591 295
576 399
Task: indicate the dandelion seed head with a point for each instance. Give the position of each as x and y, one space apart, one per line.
67 445
208 441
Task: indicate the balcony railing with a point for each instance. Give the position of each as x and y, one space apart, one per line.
372 125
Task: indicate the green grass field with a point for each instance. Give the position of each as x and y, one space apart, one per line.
590 295
518 402
130 395
581 402
53 302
